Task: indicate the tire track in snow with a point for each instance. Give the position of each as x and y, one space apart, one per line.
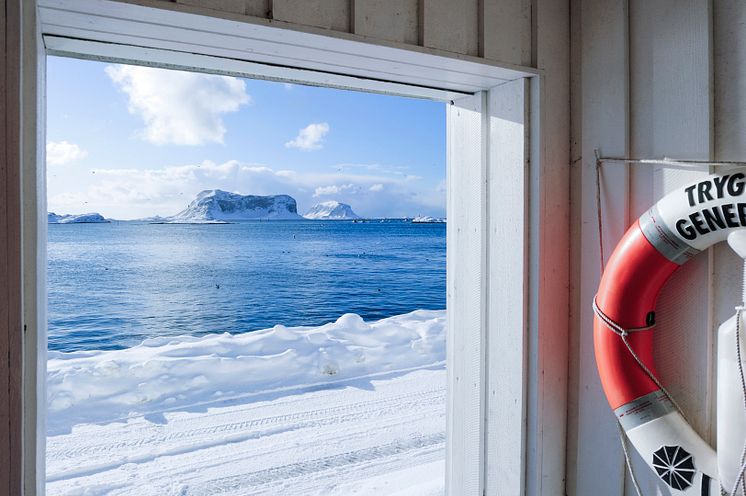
232 432
254 480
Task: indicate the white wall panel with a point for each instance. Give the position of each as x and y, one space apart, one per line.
643 88
595 460
549 241
506 30
506 338
393 20
670 115
466 295
327 14
729 81
257 8
451 26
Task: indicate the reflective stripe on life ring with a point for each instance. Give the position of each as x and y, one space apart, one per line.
674 230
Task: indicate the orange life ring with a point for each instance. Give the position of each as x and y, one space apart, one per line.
675 229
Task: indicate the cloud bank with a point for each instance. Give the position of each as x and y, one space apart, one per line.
180 108
136 193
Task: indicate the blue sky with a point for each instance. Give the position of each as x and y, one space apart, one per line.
132 142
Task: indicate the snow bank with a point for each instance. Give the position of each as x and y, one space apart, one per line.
190 373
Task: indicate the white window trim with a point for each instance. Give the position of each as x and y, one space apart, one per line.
494 167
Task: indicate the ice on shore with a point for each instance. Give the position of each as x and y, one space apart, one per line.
192 373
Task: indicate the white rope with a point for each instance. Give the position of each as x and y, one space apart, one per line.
740 479
621 331
624 333
628 458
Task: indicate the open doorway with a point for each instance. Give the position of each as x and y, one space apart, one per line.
246 286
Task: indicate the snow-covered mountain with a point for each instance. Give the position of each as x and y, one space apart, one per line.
92 218
331 210
217 205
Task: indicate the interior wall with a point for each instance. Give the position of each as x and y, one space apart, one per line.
492 29
531 33
650 80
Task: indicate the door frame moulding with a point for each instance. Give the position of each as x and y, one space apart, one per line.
493 108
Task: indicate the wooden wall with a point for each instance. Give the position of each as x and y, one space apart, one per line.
11 319
533 33
493 29
650 79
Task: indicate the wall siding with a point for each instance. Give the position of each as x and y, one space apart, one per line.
668 75
391 20
256 8
595 458
327 14
500 30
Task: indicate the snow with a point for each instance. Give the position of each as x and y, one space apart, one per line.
92 218
345 408
217 205
331 210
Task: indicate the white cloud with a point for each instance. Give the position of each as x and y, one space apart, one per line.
62 152
334 189
310 137
135 193
181 108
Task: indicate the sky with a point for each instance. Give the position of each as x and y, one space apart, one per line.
131 142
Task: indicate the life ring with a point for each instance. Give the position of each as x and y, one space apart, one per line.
675 229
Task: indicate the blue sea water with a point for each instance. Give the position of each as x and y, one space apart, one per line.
112 285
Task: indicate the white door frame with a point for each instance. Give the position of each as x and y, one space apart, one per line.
496 205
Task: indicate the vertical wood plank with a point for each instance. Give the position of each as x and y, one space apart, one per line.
32 342
256 8
327 14
11 325
506 339
549 253
451 26
576 307
597 466
5 247
505 31
392 20
466 277
670 115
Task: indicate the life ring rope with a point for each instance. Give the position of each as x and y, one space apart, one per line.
623 333
620 331
739 311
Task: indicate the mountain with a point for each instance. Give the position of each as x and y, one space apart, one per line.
92 218
215 205
331 210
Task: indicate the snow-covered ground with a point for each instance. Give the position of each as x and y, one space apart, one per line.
346 408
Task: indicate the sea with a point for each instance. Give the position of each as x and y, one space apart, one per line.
111 286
